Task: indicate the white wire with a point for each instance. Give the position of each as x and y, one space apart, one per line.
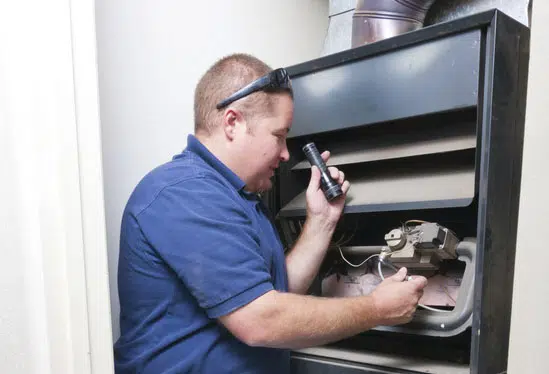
351 264
379 270
420 305
434 309
383 278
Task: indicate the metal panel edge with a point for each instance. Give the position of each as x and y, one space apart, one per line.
431 77
503 108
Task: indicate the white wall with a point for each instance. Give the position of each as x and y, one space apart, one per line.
152 53
529 341
52 230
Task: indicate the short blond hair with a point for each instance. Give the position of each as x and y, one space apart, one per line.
225 77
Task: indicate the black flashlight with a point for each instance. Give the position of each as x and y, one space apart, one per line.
331 188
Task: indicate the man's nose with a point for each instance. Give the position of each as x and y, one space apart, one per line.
285 155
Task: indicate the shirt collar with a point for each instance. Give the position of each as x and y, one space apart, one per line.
194 145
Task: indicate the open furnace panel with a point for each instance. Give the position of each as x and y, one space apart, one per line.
412 199
428 129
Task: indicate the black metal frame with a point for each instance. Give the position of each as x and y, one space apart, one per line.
500 108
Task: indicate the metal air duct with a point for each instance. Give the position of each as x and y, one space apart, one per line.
380 19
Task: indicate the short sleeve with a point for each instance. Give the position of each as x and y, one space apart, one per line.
205 235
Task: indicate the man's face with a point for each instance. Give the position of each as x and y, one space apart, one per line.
265 144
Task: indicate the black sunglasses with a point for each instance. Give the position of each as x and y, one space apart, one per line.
276 80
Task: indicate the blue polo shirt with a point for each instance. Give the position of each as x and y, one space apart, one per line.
194 246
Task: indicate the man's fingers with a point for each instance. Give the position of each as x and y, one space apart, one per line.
325 155
314 183
341 177
335 173
419 281
400 275
345 187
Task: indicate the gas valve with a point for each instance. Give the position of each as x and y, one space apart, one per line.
422 246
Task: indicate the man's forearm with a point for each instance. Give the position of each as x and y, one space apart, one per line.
285 320
304 259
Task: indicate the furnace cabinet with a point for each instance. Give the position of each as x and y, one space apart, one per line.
428 128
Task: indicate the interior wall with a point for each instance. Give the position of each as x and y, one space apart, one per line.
529 340
48 100
150 56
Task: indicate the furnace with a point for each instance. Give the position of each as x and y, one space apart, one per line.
428 128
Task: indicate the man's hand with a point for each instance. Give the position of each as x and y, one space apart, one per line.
396 300
305 258
320 210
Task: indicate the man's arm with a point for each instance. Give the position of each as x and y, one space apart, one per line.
305 258
285 320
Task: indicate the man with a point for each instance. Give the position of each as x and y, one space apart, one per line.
204 284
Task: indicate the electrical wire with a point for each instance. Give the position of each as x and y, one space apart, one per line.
340 240
354 265
434 309
406 230
420 305
347 240
414 221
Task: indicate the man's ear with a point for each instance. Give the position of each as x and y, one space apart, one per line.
232 118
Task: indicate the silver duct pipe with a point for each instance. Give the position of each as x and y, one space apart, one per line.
341 12
380 19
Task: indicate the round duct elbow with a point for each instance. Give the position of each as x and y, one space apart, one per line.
375 20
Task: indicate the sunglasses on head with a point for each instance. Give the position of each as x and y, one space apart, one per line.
276 80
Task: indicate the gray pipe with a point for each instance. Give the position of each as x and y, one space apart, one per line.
375 20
